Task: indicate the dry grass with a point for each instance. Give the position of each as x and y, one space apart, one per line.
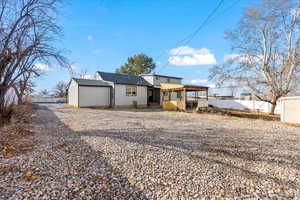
14 148
247 114
15 137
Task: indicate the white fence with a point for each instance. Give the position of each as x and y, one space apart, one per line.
244 105
48 100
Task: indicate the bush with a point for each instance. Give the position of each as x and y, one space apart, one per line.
21 114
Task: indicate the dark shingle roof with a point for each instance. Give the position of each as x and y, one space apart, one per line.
89 82
123 79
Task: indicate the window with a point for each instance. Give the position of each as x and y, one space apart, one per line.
168 80
179 95
131 91
156 77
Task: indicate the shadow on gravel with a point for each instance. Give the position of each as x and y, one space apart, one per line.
218 147
69 168
221 148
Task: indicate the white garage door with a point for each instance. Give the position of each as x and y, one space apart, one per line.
90 96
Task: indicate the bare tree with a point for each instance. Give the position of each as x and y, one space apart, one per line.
27 31
24 86
266 45
44 92
60 90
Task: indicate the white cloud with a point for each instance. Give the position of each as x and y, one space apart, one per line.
43 67
241 58
188 56
203 82
199 81
89 37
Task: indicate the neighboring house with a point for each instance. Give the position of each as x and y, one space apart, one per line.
117 90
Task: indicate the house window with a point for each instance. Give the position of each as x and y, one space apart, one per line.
131 91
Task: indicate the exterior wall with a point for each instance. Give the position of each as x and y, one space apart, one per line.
90 96
159 79
290 110
173 105
122 100
73 94
244 105
149 79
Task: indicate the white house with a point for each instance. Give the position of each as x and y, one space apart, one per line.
117 90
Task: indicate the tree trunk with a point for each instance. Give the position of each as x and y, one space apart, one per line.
3 113
2 103
19 95
272 112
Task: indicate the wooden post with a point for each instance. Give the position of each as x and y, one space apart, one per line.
207 94
185 99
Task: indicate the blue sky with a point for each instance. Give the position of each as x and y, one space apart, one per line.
102 34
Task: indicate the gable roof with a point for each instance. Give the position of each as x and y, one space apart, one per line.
123 79
90 82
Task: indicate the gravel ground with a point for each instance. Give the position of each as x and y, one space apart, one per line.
150 154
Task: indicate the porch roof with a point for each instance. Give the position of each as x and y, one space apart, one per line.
180 87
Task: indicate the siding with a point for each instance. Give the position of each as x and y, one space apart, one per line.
73 94
90 96
165 80
122 100
291 110
149 79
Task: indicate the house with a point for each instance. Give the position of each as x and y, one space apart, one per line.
119 90
290 109
154 92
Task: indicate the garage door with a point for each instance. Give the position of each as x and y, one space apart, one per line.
90 96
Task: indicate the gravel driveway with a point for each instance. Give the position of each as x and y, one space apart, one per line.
151 154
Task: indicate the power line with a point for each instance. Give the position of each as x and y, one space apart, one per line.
209 19
191 36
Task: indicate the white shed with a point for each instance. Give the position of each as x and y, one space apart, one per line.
89 93
290 109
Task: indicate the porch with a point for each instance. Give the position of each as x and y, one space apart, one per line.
183 97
